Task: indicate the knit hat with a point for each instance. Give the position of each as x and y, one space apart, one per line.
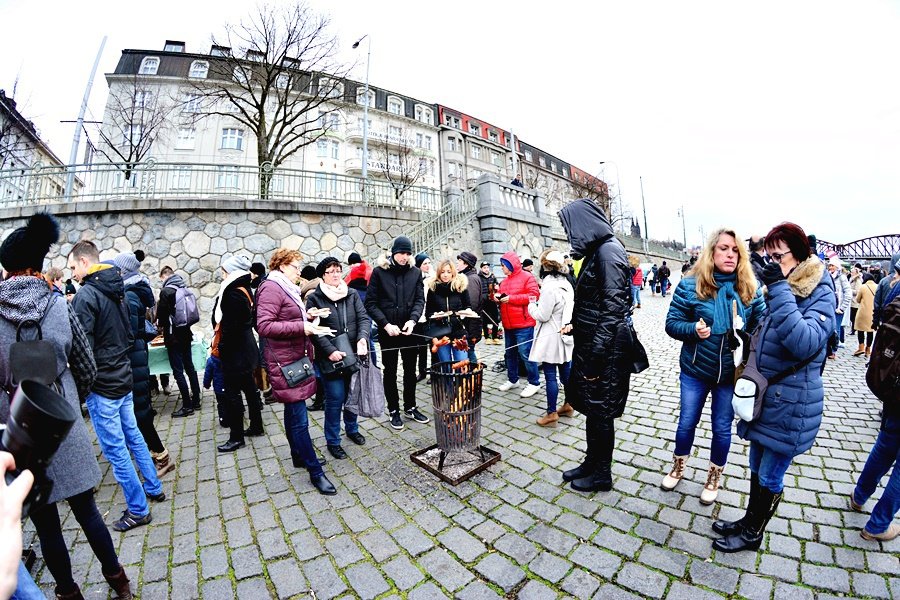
354 258
324 264
258 269
308 273
401 245
236 262
527 263
70 287
835 261
420 258
468 258
26 247
128 264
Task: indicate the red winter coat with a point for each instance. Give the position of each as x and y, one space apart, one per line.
280 320
518 285
638 277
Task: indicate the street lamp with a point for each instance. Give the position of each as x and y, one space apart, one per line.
365 149
683 227
618 191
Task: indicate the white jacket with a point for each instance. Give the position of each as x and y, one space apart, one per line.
552 312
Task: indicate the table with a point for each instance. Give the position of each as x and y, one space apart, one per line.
159 358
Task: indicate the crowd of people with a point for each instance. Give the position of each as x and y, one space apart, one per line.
292 333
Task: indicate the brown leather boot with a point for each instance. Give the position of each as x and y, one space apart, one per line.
548 419
565 409
163 463
868 351
860 350
120 584
74 595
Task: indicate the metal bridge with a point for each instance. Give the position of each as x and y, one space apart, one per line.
880 247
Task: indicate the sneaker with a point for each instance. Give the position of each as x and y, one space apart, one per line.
892 532
507 385
160 497
130 521
529 390
396 421
416 416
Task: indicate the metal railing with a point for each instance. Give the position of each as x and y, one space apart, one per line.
156 180
456 214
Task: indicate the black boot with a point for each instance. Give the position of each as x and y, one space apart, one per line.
726 528
751 534
590 457
185 410
319 402
322 484
578 472
598 481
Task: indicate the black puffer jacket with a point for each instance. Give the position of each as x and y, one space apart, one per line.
139 297
357 325
453 296
601 368
237 346
395 295
100 306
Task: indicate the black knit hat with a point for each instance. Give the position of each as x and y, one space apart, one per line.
258 269
420 258
70 287
527 263
402 244
468 258
354 258
26 247
308 273
324 264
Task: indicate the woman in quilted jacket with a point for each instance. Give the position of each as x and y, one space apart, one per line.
720 285
800 296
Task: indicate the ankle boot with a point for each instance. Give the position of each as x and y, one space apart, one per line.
120 585
185 410
860 351
751 534
73 595
710 490
868 351
726 528
578 472
565 409
163 463
598 481
548 419
674 476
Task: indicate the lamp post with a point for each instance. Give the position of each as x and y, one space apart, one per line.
683 228
365 148
618 191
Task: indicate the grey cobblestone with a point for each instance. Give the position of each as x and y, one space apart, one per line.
673 563
642 580
829 578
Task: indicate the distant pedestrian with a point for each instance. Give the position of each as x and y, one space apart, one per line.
489 310
465 265
214 378
842 295
637 281
423 263
663 274
856 283
516 292
865 316
178 337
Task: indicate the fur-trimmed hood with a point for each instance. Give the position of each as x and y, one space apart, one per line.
805 277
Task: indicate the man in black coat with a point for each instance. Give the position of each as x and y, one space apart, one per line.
601 366
489 309
178 343
395 300
465 264
100 306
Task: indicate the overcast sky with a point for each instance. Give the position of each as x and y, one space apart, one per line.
747 114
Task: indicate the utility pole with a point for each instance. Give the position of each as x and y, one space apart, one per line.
644 202
683 227
76 140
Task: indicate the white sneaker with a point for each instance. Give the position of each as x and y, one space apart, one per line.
529 390
507 385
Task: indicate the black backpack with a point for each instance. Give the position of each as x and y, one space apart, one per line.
883 374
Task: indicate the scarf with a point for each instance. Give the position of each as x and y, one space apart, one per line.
334 293
24 297
232 277
725 295
290 288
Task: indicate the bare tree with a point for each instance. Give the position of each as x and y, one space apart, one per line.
399 161
137 116
279 76
15 142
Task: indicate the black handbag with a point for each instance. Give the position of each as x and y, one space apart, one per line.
348 364
438 328
639 360
298 371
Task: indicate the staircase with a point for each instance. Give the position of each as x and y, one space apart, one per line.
429 235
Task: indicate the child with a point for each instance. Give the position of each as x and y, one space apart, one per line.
212 375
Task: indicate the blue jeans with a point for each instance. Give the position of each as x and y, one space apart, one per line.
552 385
336 391
448 352
636 294
769 466
26 588
117 434
296 427
885 452
693 397
663 286
525 337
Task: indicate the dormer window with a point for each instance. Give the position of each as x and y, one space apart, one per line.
330 88
361 97
220 51
256 55
474 128
173 46
395 105
199 69
149 66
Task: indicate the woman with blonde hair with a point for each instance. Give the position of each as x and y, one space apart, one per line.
720 287
446 296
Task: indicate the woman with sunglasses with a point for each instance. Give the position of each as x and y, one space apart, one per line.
720 285
801 301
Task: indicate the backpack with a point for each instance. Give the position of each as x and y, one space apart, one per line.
30 359
663 272
883 374
186 312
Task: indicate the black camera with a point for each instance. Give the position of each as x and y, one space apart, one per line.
39 421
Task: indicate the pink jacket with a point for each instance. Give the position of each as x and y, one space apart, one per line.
280 321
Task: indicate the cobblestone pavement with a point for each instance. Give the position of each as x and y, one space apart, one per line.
249 525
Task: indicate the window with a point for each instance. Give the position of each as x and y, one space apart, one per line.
476 173
420 140
220 51
452 144
394 161
326 186
454 170
199 69
334 122
565 172
451 121
423 166
360 123
330 88
476 151
492 135
181 178
232 139
149 66
335 149
173 47
394 133
227 177
190 103
256 55
474 128
495 158
428 142
361 97
542 162
241 75
143 98
528 156
283 81
395 106
322 148
131 134
423 114
276 184
185 139
553 166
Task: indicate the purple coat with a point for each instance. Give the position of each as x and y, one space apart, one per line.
280 321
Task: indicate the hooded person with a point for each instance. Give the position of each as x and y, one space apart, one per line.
466 265
516 292
395 300
601 366
234 316
888 289
358 275
139 298
178 340
24 295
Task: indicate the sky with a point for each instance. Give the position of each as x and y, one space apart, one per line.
745 114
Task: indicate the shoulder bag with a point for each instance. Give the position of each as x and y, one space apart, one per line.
439 328
348 364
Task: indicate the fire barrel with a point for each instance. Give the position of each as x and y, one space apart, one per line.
456 399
